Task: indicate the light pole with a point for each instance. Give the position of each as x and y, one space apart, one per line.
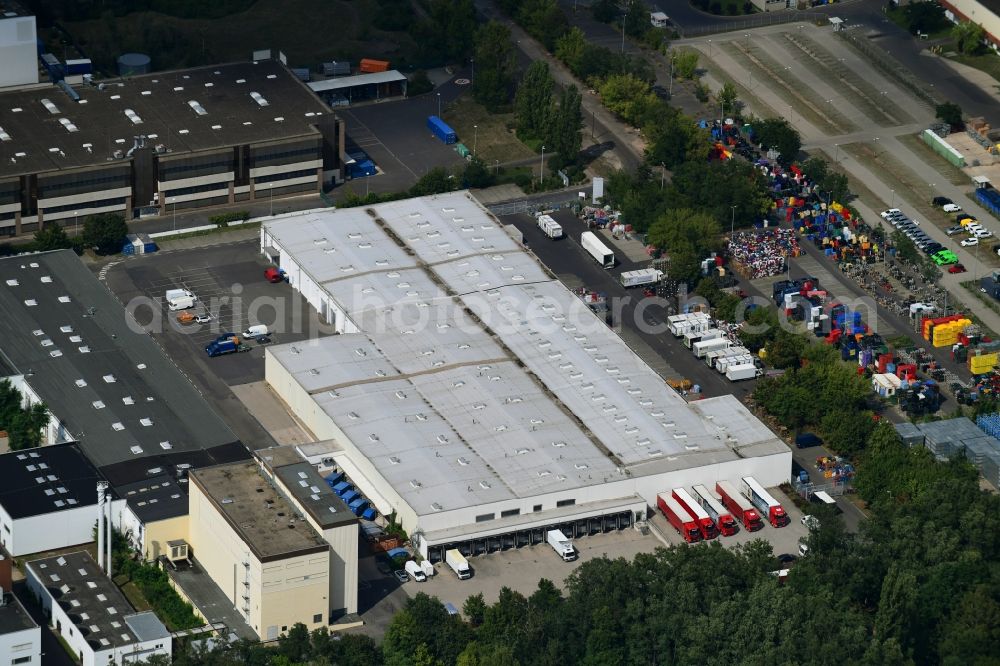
76 223
541 172
498 166
891 205
270 198
836 159
876 146
475 140
663 174
439 105
732 223
472 79
670 88
175 212
624 17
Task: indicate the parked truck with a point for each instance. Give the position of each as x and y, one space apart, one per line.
598 250
766 505
679 518
716 357
705 523
640 277
441 130
697 335
427 568
702 347
739 506
713 506
562 545
180 299
458 563
723 364
550 227
735 373
693 325
227 344
415 570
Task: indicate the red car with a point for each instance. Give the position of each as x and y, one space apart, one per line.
956 268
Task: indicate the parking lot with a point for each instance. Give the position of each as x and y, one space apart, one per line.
229 283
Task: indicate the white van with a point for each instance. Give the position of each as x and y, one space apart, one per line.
415 571
256 331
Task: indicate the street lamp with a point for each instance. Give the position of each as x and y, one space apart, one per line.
270 199
439 105
732 223
836 159
76 223
174 201
876 146
472 79
891 205
475 140
624 18
541 172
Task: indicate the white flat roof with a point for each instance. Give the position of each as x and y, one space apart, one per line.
342 82
476 376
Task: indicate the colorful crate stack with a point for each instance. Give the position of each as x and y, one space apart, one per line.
944 331
981 363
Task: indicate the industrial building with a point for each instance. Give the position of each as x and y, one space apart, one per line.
475 396
18 46
92 615
270 562
301 484
370 87
20 636
153 143
134 416
47 499
985 13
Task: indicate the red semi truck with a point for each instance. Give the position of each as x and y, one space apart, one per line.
705 524
679 518
766 504
740 507
711 504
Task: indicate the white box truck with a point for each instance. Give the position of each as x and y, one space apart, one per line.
550 227
719 357
696 322
735 373
598 250
458 563
427 567
691 338
702 347
727 362
415 570
180 299
562 545
640 277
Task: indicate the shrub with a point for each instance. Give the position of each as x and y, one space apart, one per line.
223 219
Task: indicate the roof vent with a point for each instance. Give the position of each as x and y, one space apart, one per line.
3 135
416 484
110 379
133 116
117 425
197 108
484 485
65 122
52 108
257 97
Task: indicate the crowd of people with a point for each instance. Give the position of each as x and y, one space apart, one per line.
761 253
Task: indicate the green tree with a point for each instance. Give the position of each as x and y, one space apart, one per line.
52 237
533 102
636 18
785 350
905 249
23 424
543 20
474 609
673 138
728 100
629 97
950 113
684 227
778 134
296 645
435 181
897 606
685 63
105 232
715 187
926 16
969 37
846 433
564 127
570 48
477 174
495 67
419 84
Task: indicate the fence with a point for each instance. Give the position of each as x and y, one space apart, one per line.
889 66
754 21
529 207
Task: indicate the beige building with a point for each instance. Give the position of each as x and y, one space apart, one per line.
328 515
259 549
982 12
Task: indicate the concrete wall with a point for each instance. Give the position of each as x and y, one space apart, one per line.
48 531
281 593
18 51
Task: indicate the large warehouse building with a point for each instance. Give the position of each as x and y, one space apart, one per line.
134 416
475 396
158 142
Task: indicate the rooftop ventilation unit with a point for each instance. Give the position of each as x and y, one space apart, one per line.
257 97
3 135
133 116
197 108
52 108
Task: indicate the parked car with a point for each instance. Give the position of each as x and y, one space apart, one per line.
969 242
401 575
941 201
957 229
982 233
951 208
203 318
956 268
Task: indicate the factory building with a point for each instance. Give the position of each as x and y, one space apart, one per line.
91 615
475 396
18 46
20 636
269 561
135 419
48 499
154 143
